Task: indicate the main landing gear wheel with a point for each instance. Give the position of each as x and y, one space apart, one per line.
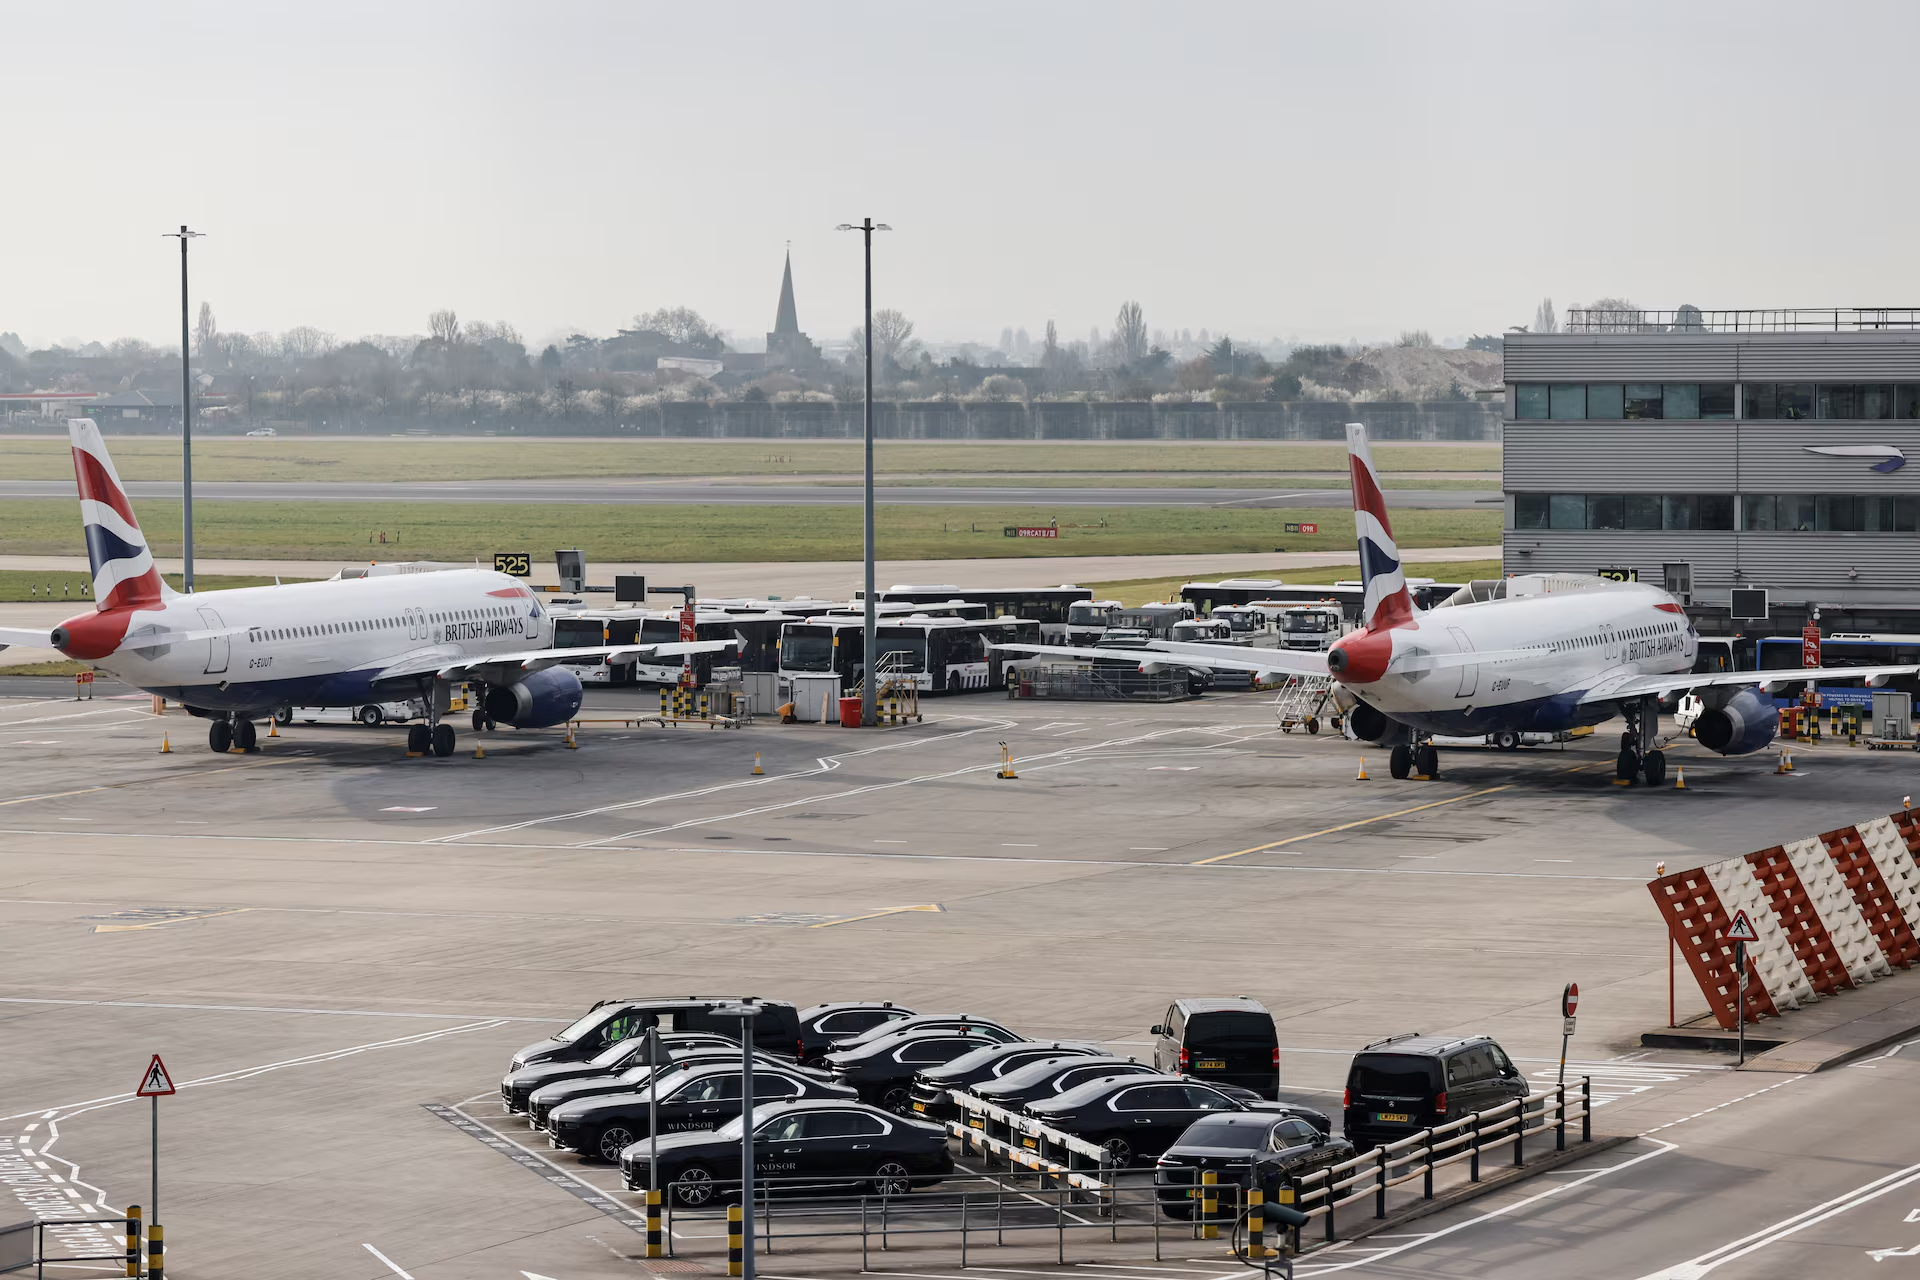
418 739
283 716
1654 768
479 720
220 736
371 715
1400 762
1506 740
244 735
1627 767
1429 759
443 740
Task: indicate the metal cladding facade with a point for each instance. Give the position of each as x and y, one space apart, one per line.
1741 456
1833 911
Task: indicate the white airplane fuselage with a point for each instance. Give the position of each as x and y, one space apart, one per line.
1545 652
310 643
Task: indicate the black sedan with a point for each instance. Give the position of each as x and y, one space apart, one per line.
883 1070
1137 1117
799 1147
541 1103
1238 1147
823 1024
1049 1078
985 1028
700 1098
933 1089
517 1086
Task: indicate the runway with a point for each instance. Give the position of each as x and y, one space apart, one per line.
784 494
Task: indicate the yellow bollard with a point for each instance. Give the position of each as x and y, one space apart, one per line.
166 749
735 1244
1209 1204
653 1224
156 1253
133 1240
1256 1223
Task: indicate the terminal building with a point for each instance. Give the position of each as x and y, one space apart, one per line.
1723 452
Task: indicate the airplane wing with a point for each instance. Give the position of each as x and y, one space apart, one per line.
1211 656
504 668
1614 688
26 636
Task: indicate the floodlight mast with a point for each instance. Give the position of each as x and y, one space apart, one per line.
866 227
186 415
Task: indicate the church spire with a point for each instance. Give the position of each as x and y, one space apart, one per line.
787 320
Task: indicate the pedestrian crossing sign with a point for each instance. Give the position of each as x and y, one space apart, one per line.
156 1083
1741 930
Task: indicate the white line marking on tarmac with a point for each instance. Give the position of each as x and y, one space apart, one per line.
395 1267
1722 1106
1700 1266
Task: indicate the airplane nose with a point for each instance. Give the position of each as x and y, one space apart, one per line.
1361 658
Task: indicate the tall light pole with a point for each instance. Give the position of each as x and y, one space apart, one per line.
866 227
746 1013
186 411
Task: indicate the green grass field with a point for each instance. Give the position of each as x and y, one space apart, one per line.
616 533
1138 591
301 458
18 585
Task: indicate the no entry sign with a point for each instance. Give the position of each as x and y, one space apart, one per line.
1569 999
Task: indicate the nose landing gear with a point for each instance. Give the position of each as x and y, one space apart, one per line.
232 733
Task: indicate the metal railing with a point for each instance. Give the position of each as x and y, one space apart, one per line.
1097 684
1779 320
24 1244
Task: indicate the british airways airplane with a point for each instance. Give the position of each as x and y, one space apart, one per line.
1532 653
236 656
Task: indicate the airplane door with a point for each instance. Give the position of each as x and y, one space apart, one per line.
1469 674
219 648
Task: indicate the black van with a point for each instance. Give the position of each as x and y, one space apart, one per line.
1223 1040
775 1030
1406 1083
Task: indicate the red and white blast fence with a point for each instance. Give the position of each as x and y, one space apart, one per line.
1832 912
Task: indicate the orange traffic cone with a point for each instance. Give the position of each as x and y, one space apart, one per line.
479 751
165 749
1362 775
757 770
273 728
1786 762
1680 778
570 744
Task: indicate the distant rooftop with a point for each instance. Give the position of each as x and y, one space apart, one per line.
1787 320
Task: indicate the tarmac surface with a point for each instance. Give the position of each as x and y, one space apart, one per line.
324 940
769 494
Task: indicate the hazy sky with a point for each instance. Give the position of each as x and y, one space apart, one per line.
1322 170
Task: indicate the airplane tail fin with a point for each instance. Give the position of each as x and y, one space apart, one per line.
1387 604
123 573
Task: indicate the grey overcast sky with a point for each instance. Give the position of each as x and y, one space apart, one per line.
1271 170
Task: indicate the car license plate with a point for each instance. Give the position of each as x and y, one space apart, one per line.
1393 1117
1213 1064
977 1124
919 1106
1030 1142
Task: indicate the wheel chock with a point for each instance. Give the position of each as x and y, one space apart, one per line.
165 748
1362 775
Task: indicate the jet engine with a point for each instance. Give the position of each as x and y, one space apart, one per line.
1742 724
1368 723
544 698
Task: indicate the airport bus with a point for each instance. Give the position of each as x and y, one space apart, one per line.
1841 649
1272 592
944 655
1048 606
757 636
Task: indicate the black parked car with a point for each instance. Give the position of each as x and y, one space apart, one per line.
517 1086
543 1100
829 1144
1240 1147
823 1024
883 1069
1225 1040
1411 1082
1049 1078
702 1097
932 1090
963 1022
1138 1117
776 1030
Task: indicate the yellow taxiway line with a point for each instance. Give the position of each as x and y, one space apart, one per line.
1348 826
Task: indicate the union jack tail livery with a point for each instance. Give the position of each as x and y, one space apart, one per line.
123 572
1386 602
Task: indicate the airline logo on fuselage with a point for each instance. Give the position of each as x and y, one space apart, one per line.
486 629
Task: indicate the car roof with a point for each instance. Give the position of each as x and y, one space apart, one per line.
1220 1004
1414 1043
1047 1068
1095 1088
841 1006
897 1038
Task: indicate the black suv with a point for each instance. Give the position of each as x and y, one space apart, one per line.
1406 1083
775 1030
1223 1040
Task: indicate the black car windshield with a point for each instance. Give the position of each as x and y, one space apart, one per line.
1227 1131
583 1024
1253 1029
613 1053
1394 1074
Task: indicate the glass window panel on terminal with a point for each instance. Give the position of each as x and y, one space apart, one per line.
1530 401
1569 400
1606 511
1757 511
1715 511
1643 511
1716 399
1906 402
1680 510
1569 511
1680 400
1643 400
1606 401
1530 511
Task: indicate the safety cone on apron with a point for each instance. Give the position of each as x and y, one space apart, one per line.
1362 775
1680 778
165 749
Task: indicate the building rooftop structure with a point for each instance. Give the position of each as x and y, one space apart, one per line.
787 347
